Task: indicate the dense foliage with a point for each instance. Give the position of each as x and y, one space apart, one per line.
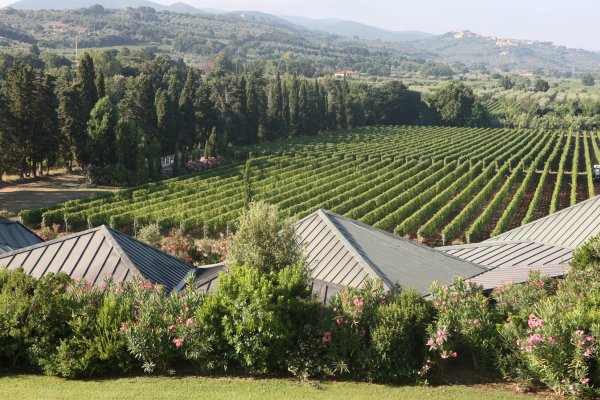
119 112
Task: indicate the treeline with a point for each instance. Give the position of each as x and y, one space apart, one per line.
119 113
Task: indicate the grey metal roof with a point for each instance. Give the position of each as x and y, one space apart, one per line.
511 262
516 274
345 252
569 228
98 253
14 235
508 254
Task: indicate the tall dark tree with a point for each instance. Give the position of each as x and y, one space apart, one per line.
276 107
239 110
207 114
72 120
49 143
23 99
303 108
294 107
86 83
252 109
187 111
138 105
100 85
102 133
165 119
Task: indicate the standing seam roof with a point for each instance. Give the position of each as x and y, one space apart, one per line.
96 254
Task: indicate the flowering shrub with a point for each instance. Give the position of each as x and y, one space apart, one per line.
93 345
210 251
354 313
464 325
179 245
154 332
552 338
203 164
49 233
548 348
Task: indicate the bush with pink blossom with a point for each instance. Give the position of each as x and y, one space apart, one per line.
464 326
553 341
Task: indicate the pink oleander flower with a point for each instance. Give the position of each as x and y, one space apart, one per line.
444 355
585 380
178 342
189 321
439 340
171 328
430 342
326 337
551 340
123 327
442 333
359 302
454 354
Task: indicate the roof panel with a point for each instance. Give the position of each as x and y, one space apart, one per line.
569 228
370 252
94 254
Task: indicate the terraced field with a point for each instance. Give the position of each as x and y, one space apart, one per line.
438 184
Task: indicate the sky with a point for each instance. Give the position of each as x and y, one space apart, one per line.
573 23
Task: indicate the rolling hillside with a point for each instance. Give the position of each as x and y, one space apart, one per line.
356 29
330 43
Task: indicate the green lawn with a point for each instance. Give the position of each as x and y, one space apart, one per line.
25 387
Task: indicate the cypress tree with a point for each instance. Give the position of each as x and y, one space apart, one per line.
303 108
252 110
72 121
86 83
211 148
276 106
100 85
186 108
294 107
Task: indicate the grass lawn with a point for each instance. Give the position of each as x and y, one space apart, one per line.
24 387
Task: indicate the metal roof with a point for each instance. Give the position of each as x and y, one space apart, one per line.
568 228
516 274
98 253
14 235
508 254
345 252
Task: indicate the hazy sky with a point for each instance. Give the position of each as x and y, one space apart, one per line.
574 23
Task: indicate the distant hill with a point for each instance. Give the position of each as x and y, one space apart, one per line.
351 29
113 4
492 52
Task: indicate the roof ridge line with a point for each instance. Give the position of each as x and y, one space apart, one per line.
402 239
109 229
367 263
107 232
499 243
49 242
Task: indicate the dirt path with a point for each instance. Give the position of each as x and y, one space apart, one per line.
44 192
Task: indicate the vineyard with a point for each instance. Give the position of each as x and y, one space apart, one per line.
438 184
